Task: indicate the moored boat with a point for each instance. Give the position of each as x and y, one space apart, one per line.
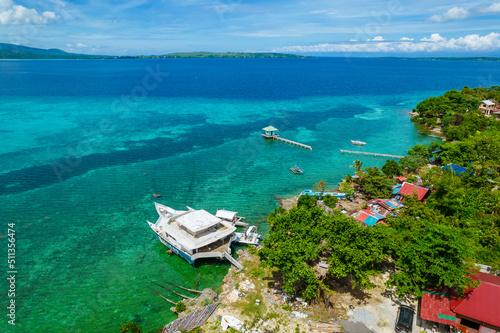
357 142
249 236
297 170
193 234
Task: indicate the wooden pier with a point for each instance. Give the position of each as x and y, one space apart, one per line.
293 143
192 320
372 154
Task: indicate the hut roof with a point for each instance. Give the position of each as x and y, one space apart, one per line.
270 129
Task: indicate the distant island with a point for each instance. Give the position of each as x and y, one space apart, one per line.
12 51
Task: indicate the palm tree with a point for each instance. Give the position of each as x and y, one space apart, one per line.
358 165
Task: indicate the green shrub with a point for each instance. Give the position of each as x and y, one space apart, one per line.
180 306
130 327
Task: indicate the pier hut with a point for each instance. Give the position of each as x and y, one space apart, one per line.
269 132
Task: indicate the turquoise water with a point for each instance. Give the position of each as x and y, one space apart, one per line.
78 169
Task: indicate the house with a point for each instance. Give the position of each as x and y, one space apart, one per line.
478 311
400 179
409 189
367 217
384 206
487 106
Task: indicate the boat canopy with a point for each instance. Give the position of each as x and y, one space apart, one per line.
197 221
226 214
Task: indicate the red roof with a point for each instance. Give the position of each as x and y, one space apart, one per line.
410 189
435 306
482 303
400 178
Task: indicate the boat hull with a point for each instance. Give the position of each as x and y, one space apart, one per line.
175 250
191 258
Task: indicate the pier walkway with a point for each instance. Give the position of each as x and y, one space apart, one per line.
294 143
233 261
366 154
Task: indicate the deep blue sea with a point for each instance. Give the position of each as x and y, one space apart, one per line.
85 144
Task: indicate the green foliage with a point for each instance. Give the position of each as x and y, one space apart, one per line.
302 234
375 184
358 165
257 272
457 111
180 307
320 187
130 327
330 200
430 254
307 201
391 168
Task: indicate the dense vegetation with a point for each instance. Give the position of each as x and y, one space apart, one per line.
456 112
429 244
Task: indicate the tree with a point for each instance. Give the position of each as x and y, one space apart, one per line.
391 168
358 165
430 255
375 184
330 200
307 201
130 327
320 187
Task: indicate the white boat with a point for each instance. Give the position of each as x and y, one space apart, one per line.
249 236
357 142
194 234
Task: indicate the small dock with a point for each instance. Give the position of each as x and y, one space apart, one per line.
293 143
233 261
371 154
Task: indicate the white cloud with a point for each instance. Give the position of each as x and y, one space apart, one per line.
455 13
10 13
434 38
378 39
493 9
69 45
406 39
435 43
81 45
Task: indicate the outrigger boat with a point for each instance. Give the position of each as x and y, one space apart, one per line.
297 170
194 234
249 236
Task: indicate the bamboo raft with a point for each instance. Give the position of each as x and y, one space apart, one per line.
366 154
192 320
293 143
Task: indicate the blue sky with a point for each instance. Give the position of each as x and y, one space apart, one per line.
316 27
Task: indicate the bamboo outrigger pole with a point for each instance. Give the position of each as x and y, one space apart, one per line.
181 295
157 293
191 290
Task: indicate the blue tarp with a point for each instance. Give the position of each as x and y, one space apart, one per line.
396 188
456 169
371 221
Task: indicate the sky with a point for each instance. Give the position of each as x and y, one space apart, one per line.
312 27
